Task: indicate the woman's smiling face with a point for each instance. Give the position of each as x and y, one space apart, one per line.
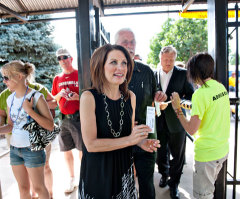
115 67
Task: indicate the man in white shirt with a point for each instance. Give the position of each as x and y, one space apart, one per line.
170 132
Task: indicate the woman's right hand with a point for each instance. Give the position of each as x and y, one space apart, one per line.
139 132
175 101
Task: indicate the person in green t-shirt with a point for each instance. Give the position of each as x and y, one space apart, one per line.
210 118
3 120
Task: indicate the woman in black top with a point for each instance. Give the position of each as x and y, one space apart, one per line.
107 113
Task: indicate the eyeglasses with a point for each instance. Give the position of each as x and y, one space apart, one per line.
5 78
64 57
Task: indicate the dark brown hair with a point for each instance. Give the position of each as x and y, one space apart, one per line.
97 63
200 67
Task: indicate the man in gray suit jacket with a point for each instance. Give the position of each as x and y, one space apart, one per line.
170 132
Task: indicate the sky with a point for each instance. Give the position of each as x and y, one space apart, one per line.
65 35
144 27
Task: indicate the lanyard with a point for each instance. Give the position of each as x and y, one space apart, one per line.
19 107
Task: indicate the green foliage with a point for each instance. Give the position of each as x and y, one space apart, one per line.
233 58
32 43
188 36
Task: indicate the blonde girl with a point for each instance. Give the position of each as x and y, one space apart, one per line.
25 163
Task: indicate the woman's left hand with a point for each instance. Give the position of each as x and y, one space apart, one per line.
149 145
175 100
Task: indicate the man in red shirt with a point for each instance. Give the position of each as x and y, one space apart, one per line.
65 90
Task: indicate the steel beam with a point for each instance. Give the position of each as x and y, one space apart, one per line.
78 49
236 106
99 5
13 13
151 12
186 5
36 20
22 5
97 28
40 12
233 24
144 4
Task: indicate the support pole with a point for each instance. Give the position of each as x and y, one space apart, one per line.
217 37
217 47
85 36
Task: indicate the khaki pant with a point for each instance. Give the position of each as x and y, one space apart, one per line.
0 191
204 177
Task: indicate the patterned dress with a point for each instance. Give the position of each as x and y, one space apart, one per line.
108 175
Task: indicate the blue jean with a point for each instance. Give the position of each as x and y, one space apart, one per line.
30 159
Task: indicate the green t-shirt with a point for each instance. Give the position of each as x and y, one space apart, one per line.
211 104
4 94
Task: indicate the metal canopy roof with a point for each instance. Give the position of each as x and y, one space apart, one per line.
32 7
134 3
9 8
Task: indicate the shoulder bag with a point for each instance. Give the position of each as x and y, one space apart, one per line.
39 137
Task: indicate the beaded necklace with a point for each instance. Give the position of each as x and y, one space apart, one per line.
19 109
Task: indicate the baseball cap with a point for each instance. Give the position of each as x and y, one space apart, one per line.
62 52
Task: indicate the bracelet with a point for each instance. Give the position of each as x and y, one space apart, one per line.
178 115
178 112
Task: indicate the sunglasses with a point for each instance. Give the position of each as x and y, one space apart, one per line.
6 78
64 57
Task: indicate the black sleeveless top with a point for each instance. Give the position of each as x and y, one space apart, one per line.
107 175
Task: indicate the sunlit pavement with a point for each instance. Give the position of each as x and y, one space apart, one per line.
59 169
60 174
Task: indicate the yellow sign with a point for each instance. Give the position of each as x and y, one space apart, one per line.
203 14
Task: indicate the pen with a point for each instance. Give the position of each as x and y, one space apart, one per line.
168 102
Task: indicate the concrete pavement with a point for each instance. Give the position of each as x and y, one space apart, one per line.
60 175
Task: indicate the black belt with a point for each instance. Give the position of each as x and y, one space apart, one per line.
76 115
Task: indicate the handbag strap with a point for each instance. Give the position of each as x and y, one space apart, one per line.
33 94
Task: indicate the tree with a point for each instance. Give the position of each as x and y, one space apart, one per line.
33 43
233 58
188 36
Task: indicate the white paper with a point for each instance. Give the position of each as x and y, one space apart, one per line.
150 120
157 106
